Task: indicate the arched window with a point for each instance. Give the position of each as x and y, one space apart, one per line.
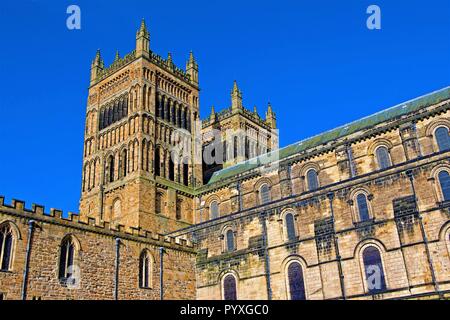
145 270
383 158
157 161
363 208
178 209
214 210
296 282
442 138
102 117
185 173
124 163
373 267
125 107
247 147
230 240
235 147
290 226
6 247
229 288
159 203
66 259
116 209
111 168
171 169
225 151
264 192
312 179
444 181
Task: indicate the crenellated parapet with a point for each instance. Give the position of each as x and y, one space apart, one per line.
117 64
88 224
99 72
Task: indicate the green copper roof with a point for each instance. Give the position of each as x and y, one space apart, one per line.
364 123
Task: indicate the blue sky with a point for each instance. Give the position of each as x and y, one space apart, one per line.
315 61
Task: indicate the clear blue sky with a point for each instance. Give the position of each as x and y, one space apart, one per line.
315 61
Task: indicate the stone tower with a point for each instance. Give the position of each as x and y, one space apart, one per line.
237 133
138 162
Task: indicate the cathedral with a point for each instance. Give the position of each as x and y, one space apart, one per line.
177 207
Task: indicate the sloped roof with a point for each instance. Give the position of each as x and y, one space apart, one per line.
342 131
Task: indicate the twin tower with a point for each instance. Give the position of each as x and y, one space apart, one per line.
142 161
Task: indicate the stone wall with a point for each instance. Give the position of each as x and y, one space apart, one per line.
414 243
95 258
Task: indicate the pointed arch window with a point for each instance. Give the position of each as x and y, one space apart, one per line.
290 226
444 182
229 288
6 247
442 138
373 268
264 193
363 208
214 209
66 259
383 158
145 270
296 281
312 179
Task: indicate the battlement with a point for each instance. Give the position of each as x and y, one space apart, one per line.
169 66
228 112
73 220
116 65
166 64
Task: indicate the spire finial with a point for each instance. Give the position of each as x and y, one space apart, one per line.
235 87
142 40
192 68
98 58
142 29
117 58
143 26
270 116
236 97
255 110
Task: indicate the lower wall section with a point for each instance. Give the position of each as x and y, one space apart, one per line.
94 262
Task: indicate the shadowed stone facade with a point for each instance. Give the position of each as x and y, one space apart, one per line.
318 219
